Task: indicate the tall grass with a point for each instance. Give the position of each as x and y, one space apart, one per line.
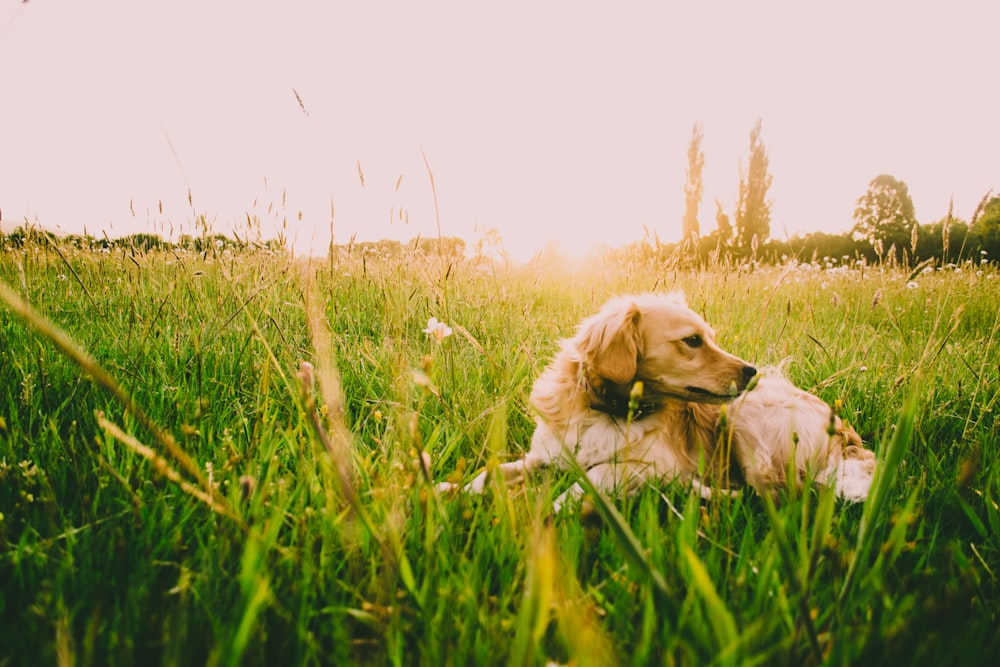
177 487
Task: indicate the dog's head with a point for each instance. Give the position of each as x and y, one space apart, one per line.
657 339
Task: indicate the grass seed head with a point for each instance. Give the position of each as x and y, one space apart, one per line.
247 486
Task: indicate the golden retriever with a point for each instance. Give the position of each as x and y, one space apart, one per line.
589 404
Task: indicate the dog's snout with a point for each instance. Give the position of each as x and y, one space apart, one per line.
748 372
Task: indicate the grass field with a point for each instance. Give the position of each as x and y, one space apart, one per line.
173 490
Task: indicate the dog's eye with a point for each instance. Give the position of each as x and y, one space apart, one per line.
694 341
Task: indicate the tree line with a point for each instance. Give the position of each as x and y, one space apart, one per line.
141 242
885 227
448 246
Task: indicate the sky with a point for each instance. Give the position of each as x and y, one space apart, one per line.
562 122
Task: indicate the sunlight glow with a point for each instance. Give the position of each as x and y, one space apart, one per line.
577 136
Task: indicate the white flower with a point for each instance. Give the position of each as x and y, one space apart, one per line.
912 285
439 330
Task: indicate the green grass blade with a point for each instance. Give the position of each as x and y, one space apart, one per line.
721 619
886 469
792 573
629 544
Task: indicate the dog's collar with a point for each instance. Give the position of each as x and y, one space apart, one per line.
616 404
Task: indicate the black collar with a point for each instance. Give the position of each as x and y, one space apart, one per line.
617 406
604 398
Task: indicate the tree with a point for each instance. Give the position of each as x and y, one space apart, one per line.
693 188
722 223
884 215
753 208
141 242
986 227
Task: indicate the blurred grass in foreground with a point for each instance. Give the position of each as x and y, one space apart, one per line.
279 548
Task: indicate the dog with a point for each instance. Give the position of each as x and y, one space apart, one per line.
643 392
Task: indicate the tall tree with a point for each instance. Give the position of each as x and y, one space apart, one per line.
693 187
884 214
753 208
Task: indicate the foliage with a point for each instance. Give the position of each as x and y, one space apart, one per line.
987 227
991 214
724 229
448 246
884 215
106 558
753 207
694 187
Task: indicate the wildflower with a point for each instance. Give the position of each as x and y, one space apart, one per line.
61 276
439 330
912 285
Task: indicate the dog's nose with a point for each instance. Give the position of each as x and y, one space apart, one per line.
748 373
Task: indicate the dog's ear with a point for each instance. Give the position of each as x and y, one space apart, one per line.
610 343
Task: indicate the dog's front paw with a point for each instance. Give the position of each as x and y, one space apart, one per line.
477 485
571 496
854 479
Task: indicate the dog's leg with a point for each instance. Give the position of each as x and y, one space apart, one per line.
513 472
611 477
626 478
707 492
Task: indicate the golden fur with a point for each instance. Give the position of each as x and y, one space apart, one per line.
674 429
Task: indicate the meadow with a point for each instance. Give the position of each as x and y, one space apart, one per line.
177 488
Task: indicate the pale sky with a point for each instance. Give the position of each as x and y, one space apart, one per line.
564 121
